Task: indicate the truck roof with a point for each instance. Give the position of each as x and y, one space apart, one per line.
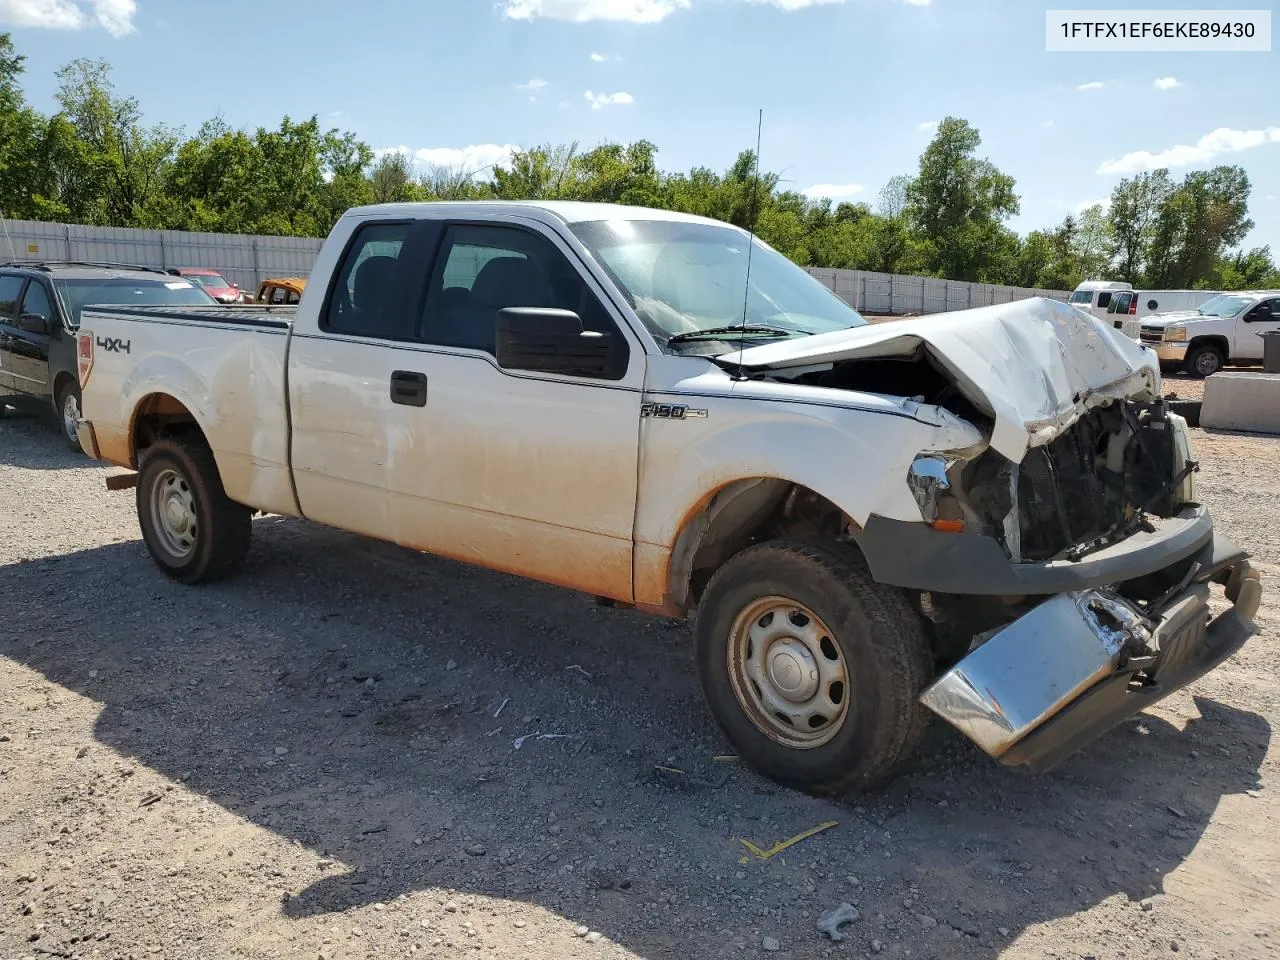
567 211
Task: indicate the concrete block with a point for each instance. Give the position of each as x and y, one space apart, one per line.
1242 400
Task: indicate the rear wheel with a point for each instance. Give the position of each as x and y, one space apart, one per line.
194 532
811 668
68 401
1205 360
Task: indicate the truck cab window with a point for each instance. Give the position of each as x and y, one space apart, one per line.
482 269
36 300
362 299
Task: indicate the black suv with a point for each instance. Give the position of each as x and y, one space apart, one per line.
40 304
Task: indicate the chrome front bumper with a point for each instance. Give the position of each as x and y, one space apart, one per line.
1169 352
1081 662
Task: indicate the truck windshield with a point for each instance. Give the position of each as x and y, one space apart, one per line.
1082 296
1224 305
78 294
682 278
209 280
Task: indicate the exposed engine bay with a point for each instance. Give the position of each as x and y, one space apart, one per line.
1090 486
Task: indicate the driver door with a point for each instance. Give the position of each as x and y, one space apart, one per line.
1263 317
27 350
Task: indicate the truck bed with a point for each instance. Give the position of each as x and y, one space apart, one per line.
225 365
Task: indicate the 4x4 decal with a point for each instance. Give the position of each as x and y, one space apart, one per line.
113 344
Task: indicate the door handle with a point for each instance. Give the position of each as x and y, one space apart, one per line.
409 388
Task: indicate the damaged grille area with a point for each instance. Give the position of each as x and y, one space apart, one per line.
1113 465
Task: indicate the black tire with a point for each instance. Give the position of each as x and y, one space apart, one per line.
222 527
1204 361
68 393
878 634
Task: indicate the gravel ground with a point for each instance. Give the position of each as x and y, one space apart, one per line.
335 755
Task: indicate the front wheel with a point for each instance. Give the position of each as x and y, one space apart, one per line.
812 669
1205 361
194 532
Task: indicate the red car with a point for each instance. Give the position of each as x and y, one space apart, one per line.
212 282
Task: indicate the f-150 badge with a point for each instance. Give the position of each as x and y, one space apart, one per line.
671 411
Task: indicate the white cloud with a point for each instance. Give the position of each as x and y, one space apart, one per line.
929 126
599 57
475 157
598 100
1047 124
114 16
1083 205
533 86
1091 85
1222 140
1166 83
582 11
917 3
796 4
833 191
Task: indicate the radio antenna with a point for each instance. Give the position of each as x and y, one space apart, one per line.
751 243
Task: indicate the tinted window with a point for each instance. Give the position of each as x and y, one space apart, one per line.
361 301
277 294
1104 299
482 269
291 296
10 288
78 294
36 300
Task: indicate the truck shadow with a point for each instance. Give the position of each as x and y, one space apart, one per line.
399 683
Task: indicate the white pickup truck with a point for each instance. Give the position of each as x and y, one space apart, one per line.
1224 329
988 514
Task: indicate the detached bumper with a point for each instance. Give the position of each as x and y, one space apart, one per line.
1081 662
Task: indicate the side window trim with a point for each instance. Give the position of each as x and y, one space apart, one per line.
619 326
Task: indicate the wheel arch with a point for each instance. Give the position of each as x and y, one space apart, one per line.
1216 340
159 415
738 514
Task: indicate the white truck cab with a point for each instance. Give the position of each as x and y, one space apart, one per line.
988 514
1094 296
1221 330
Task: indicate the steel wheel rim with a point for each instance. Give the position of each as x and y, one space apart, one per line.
788 672
70 415
1207 363
173 514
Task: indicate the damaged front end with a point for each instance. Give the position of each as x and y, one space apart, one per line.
1064 565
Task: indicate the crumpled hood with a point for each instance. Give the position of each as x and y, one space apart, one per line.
1034 365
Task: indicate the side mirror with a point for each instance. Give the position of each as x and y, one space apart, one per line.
33 323
549 340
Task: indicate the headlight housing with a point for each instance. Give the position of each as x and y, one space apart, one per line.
1175 333
929 481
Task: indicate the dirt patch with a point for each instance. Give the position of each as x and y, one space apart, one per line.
355 751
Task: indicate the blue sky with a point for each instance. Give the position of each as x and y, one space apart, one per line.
848 87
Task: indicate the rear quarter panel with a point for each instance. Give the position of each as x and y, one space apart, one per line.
230 377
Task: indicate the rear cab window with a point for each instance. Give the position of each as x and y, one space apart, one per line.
363 298
78 293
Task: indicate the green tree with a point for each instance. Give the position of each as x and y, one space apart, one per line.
22 172
1135 206
1203 217
958 204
